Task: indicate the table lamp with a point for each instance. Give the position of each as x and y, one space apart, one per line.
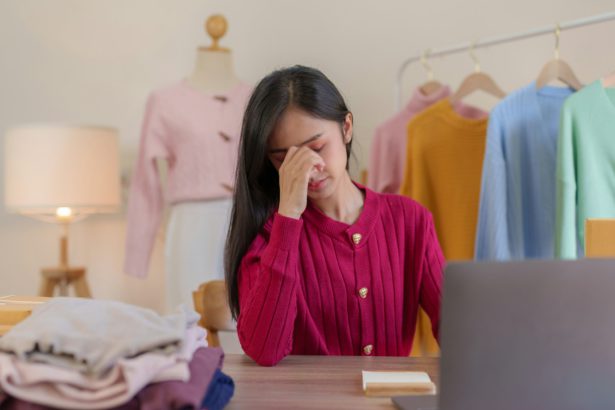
62 174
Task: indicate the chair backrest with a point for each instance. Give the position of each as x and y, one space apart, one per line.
600 238
211 303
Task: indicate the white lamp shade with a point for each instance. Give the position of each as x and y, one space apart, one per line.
48 167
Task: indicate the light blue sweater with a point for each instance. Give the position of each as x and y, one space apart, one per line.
517 203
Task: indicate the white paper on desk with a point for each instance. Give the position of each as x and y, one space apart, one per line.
394 377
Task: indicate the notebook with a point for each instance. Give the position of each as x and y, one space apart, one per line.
387 383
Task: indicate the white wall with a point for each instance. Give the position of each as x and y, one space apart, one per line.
95 61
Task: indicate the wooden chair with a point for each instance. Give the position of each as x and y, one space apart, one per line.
600 238
211 303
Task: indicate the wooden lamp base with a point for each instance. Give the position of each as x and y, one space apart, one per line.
63 276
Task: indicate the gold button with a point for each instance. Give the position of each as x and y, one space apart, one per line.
356 238
368 349
363 293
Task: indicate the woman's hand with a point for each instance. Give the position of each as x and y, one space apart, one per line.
295 172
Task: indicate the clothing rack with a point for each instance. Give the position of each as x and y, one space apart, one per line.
464 47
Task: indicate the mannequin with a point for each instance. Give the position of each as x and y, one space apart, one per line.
214 71
196 230
189 145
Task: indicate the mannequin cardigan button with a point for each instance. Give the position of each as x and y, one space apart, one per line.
363 293
356 238
368 350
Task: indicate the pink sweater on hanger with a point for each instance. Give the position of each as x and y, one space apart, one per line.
319 286
198 135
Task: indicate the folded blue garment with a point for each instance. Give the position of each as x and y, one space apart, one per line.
219 392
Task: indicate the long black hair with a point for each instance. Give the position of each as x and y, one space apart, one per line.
257 190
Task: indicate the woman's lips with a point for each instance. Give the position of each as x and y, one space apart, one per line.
316 185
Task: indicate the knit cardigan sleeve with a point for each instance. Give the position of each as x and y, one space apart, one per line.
268 277
405 188
146 202
566 189
492 237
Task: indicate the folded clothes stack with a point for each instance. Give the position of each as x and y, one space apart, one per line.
73 353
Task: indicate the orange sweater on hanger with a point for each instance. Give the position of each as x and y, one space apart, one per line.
444 163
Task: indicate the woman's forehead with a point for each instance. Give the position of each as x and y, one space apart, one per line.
296 127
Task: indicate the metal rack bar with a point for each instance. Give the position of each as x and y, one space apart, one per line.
463 47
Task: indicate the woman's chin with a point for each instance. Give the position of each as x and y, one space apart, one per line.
321 190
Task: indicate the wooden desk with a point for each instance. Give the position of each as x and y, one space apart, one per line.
314 382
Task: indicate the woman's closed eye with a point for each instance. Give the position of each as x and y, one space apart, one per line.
280 157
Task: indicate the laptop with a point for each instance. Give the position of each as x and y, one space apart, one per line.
524 336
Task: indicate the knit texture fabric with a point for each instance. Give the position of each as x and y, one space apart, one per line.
198 135
443 173
322 287
585 171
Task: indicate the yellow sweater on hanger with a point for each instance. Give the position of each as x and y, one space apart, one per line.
444 164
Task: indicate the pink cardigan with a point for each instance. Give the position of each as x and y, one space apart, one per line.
198 135
318 286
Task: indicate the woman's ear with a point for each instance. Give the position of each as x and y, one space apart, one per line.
347 128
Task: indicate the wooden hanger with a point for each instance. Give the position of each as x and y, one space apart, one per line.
477 81
558 69
431 86
609 81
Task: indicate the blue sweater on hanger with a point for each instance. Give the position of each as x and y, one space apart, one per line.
517 203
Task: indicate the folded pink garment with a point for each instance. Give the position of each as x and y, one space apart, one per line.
169 395
65 388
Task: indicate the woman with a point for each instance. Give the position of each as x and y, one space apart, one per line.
315 263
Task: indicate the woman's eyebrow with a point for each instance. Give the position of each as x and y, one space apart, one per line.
282 150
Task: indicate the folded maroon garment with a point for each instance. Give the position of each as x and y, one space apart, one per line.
180 395
10 403
164 395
